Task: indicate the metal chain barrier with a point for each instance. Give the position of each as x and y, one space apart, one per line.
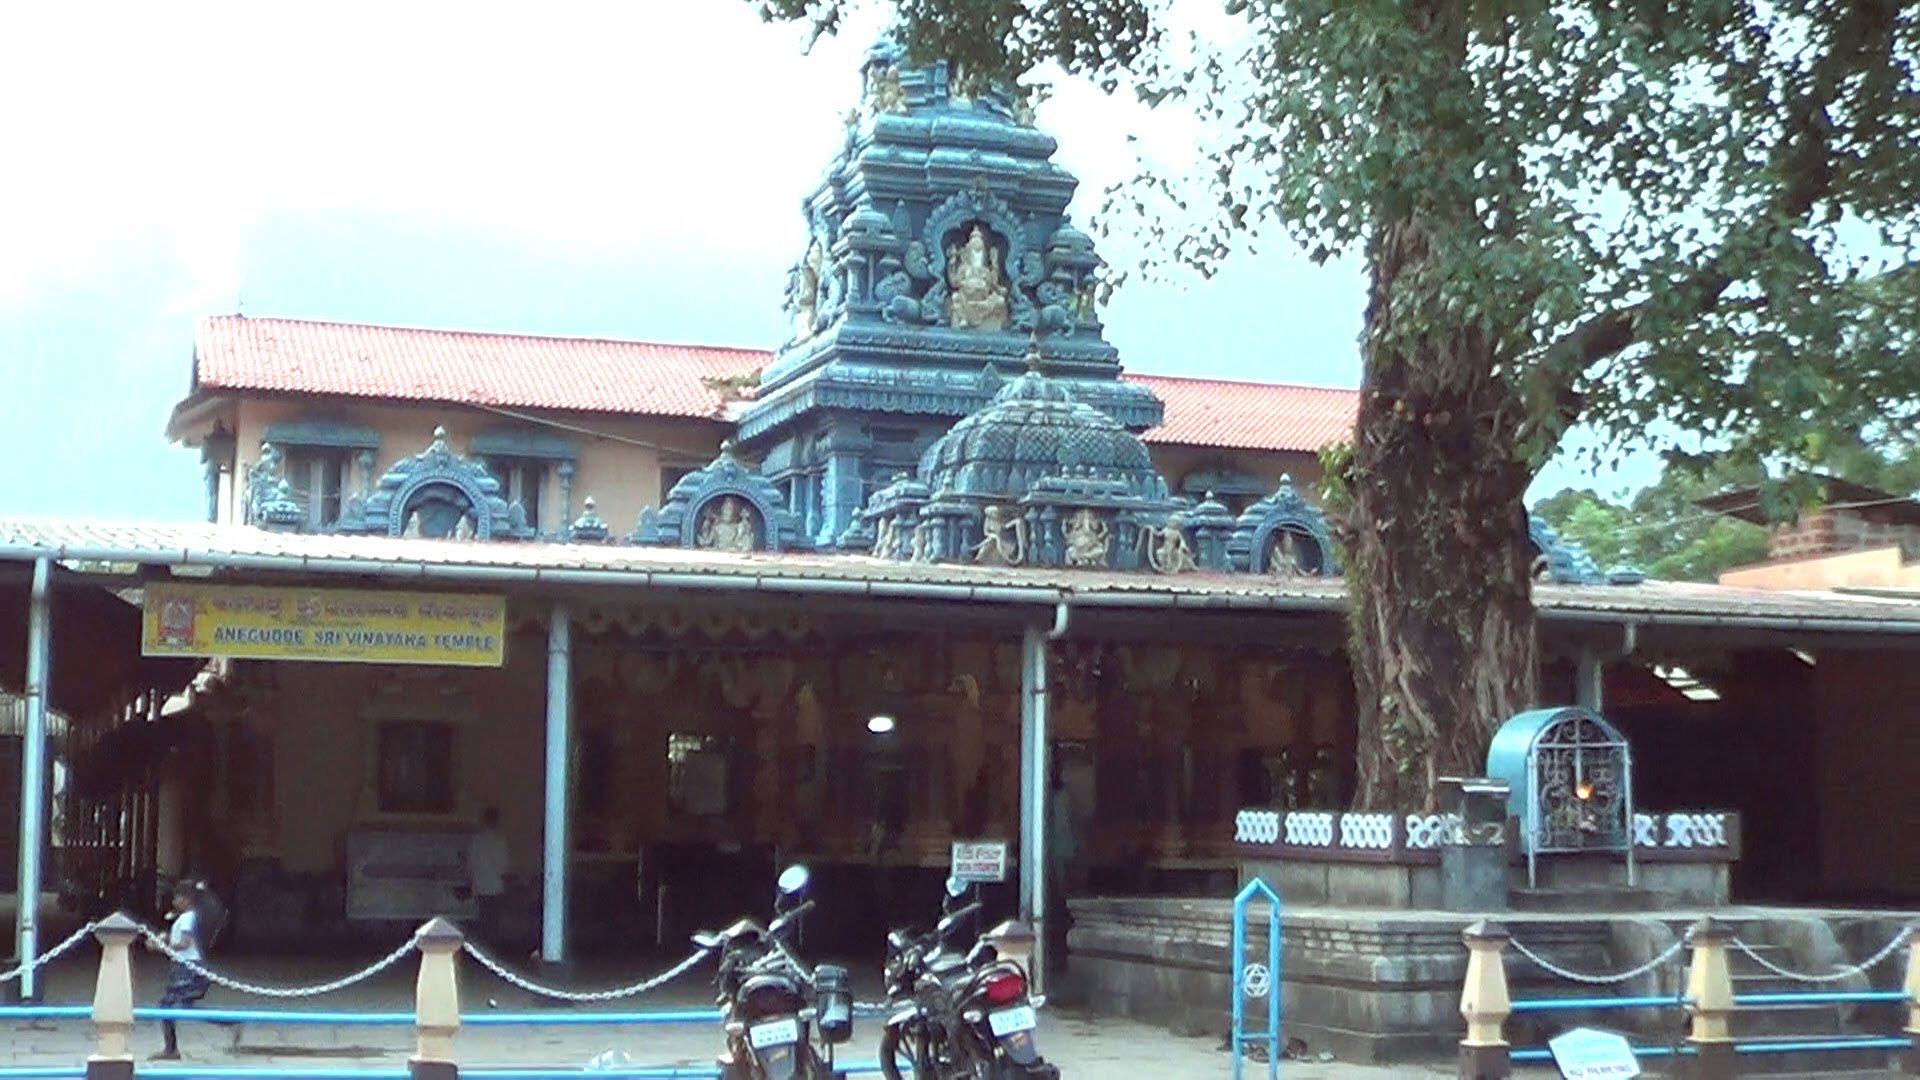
1861 968
48 957
587 997
160 944
1599 980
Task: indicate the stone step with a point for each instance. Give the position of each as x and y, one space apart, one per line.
1589 899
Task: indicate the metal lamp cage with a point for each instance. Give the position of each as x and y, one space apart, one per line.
1571 780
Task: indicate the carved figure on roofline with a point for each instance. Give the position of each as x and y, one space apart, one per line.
888 96
883 539
919 546
1168 549
1089 539
1293 555
727 525
979 300
806 291
1003 540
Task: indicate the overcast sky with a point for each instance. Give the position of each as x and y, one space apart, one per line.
627 170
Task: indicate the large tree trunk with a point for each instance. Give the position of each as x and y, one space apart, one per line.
1439 558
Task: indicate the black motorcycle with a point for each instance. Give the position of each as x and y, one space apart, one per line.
782 1020
954 1016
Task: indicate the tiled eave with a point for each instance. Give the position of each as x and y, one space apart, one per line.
470 564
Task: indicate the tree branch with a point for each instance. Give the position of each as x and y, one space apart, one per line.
1806 158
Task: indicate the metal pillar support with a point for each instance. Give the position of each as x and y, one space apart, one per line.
553 877
1588 682
1033 796
33 771
1257 981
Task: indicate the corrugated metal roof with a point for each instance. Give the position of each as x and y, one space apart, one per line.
294 356
480 563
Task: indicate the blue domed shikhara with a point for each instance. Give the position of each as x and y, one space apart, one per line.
1033 430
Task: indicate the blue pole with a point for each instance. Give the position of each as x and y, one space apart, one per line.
1238 975
1273 980
553 879
33 766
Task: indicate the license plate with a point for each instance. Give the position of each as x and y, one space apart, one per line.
777 1033
1008 1021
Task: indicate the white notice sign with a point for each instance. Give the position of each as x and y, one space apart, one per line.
976 861
1586 1054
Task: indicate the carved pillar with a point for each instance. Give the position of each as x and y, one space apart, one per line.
112 1057
565 469
846 448
1710 1002
1485 1004
1913 999
436 1002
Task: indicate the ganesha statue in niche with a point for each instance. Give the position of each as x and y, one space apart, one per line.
977 296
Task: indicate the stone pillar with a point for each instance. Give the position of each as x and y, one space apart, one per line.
112 1057
1710 1002
841 502
1484 1003
436 1002
1913 1000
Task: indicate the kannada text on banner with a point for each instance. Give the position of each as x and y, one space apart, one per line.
260 623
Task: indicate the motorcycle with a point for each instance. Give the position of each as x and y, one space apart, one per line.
782 1021
958 1017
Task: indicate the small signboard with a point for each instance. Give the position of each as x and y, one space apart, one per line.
980 861
1586 1054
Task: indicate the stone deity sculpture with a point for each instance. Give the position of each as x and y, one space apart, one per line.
1003 541
1088 539
978 299
806 292
1285 558
883 538
727 527
1168 549
888 95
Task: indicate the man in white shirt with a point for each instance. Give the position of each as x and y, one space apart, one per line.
487 866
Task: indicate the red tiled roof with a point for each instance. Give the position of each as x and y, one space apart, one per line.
640 378
1249 416
232 352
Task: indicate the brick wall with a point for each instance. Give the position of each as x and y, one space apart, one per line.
1825 532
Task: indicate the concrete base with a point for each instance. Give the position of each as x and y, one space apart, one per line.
1566 883
1384 986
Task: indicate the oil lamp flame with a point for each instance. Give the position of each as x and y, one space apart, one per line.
1583 792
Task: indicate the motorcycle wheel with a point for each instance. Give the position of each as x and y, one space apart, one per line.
914 1043
890 1054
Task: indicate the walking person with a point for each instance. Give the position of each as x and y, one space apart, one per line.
487 866
186 985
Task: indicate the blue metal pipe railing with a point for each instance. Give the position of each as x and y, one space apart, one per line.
383 1019
1582 1004
1822 997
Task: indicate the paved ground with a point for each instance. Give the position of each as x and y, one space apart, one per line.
1084 1046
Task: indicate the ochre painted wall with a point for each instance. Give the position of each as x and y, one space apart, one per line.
619 464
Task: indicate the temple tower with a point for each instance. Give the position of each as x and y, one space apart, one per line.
939 258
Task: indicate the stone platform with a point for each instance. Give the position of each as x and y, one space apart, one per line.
1383 986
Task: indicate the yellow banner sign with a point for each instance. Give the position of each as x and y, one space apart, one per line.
249 623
